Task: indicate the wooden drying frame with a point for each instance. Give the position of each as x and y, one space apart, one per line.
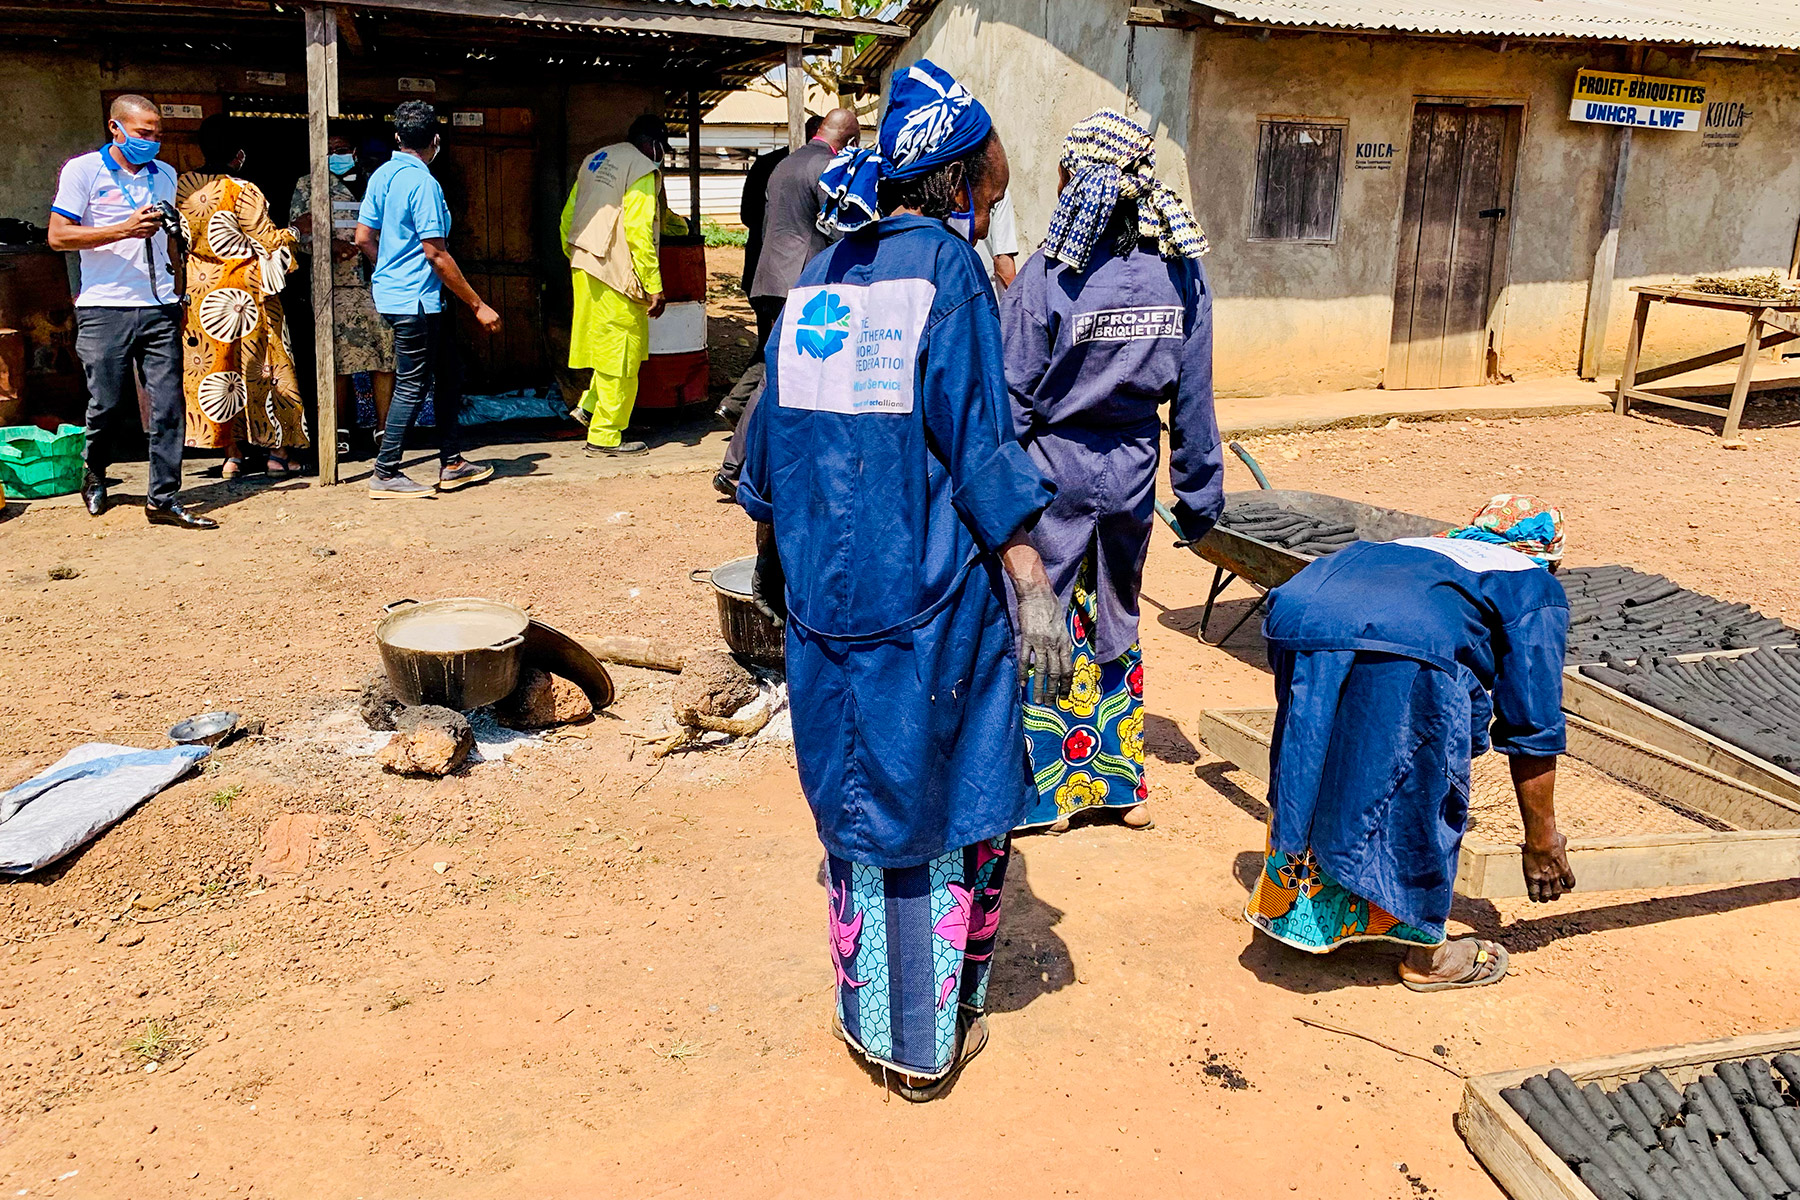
1766 846
1518 1159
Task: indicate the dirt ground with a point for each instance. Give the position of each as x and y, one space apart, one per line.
585 972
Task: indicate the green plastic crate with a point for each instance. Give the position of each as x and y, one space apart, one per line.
35 464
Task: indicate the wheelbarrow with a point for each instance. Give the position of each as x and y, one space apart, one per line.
1266 566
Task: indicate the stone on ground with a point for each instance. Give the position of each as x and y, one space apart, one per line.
712 684
542 700
377 703
428 740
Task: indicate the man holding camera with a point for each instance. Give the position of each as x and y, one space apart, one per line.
110 206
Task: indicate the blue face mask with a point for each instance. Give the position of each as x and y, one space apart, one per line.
341 164
137 151
962 221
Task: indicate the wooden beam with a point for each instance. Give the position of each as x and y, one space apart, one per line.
1606 257
796 98
648 16
693 120
321 87
1651 861
348 33
1525 1167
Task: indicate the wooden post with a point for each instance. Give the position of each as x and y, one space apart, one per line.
1599 304
796 98
1740 391
321 89
693 115
1634 344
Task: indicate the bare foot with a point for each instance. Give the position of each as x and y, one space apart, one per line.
1138 816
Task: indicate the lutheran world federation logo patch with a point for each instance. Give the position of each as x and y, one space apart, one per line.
824 326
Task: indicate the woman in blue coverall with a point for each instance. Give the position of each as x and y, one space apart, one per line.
1391 661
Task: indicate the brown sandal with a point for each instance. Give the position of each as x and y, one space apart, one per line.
1489 967
973 1041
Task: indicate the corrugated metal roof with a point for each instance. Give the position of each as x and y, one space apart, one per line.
1759 23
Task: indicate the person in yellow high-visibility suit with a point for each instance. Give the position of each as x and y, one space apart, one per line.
611 230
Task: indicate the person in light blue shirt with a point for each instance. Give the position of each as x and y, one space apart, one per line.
402 229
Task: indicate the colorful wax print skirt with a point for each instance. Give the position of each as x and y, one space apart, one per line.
911 947
1296 902
1087 750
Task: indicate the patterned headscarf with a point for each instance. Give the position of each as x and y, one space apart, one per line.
1523 523
931 120
1111 158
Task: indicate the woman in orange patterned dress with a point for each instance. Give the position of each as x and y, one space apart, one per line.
242 390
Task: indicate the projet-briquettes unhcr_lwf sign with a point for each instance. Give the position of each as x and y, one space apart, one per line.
1641 101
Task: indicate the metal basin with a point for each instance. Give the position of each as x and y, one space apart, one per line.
461 652
1269 566
207 729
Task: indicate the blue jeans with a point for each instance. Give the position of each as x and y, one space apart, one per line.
425 363
110 342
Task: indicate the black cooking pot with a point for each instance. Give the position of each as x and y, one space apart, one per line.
461 653
749 631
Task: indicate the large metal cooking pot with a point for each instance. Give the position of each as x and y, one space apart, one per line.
746 628
461 653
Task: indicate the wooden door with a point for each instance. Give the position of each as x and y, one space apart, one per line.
1458 184
487 171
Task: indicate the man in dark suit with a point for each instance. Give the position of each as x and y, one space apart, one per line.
751 210
791 237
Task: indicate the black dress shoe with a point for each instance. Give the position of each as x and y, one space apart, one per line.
173 514
93 494
724 486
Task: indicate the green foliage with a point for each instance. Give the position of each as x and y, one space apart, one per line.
723 235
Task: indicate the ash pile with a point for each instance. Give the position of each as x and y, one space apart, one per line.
1733 1134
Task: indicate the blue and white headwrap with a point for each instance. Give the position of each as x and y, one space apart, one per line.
931 120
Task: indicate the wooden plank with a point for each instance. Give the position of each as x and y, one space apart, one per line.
509 204
1515 1156
1711 358
1606 257
1740 391
1678 295
321 48
1717 410
1702 789
1232 740
1620 713
1648 861
1463 362
1437 233
1682 1064
1787 322
693 156
796 98
1406 266
650 17
1634 344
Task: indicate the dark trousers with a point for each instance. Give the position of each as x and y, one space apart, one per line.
110 342
425 364
767 308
